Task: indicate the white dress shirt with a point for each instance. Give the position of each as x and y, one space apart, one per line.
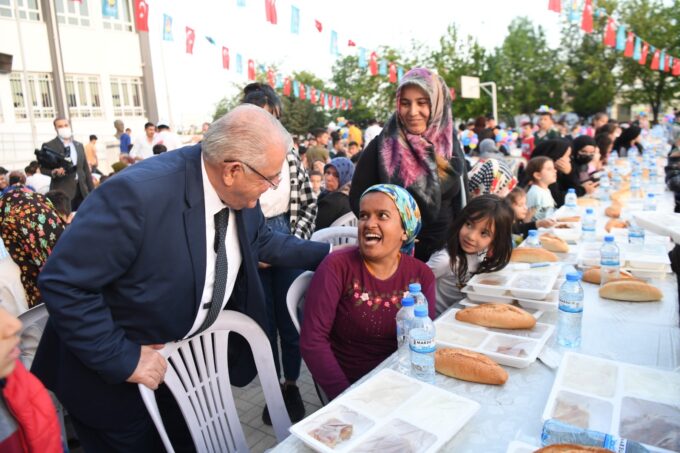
213 205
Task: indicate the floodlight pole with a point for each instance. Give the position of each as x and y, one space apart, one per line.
491 93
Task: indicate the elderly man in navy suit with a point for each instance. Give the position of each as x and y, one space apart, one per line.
150 256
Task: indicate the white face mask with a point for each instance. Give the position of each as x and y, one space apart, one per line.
64 133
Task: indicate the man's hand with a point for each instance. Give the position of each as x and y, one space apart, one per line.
58 172
151 368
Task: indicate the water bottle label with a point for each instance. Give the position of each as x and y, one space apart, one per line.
571 306
614 444
608 262
422 345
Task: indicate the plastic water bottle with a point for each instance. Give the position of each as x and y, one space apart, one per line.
557 432
653 174
609 260
635 186
616 179
649 203
405 316
422 345
416 292
636 234
532 239
604 186
570 312
613 158
570 199
632 153
588 225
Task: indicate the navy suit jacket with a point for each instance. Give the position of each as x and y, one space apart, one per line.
130 271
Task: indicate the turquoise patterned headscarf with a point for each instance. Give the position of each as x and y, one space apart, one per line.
408 210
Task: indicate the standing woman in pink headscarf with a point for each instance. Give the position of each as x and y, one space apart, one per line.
418 150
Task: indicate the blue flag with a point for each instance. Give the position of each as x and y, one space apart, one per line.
110 8
334 43
637 50
167 28
240 2
574 13
239 64
279 81
362 57
210 40
621 38
296 88
662 61
383 67
400 73
295 20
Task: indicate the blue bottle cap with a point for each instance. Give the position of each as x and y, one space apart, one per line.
408 301
609 238
414 288
533 232
573 276
421 311
571 190
589 211
650 195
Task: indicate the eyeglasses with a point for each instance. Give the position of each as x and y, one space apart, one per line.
270 181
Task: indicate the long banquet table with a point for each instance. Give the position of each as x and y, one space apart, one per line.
644 334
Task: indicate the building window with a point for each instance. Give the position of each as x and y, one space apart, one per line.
28 9
82 96
72 13
127 96
40 87
124 20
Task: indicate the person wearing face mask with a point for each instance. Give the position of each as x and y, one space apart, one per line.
77 182
586 154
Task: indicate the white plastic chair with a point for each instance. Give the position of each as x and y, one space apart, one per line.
198 377
348 219
295 300
337 235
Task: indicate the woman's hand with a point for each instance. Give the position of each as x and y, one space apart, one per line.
590 186
545 223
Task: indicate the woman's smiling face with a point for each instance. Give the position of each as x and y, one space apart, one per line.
414 109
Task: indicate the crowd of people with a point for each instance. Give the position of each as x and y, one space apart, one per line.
178 234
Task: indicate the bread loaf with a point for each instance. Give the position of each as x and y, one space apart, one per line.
587 201
613 211
594 275
621 195
469 366
574 218
571 448
554 243
532 255
631 291
501 316
615 223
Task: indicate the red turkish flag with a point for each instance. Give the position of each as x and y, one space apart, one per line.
286 86
349 104
271 78
141 15
555 5
393 73
318 25
452 92
303 94
312 95
190 40
351 43
655 60
667 64
643 54
610 33
270 11
251 69
373 63
225 57
630 45
337 102
676 67
587 18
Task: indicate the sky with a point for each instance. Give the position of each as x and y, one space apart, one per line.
369 23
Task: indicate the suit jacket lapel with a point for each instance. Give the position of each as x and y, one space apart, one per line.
194 222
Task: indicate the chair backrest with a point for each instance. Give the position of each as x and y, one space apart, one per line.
295 299
33 325
348 219
198 377
337 235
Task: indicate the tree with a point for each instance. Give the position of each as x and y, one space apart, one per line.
658 23
527 71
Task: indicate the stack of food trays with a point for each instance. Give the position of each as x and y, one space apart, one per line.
648 261
388 412
634 402
516 348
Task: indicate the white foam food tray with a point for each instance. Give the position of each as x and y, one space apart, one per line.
549 303
569 231
634 402
649 258
391 409
533 283
663 223
516 348
521 447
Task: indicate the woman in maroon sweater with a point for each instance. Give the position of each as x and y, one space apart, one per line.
349 318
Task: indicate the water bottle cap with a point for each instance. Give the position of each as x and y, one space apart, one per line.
414 288
609 238
573 276
650 195
590 211
571 190
533 232
421 311
408 301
